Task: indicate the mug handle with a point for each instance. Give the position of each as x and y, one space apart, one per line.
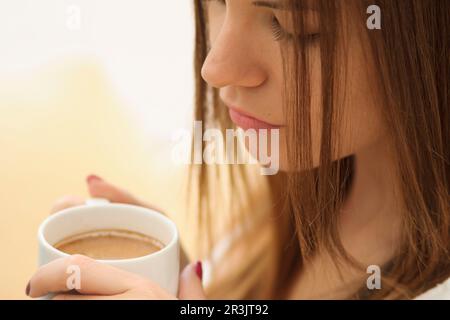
96 202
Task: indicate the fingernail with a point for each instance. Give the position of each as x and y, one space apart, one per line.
27 290
199 269
93 177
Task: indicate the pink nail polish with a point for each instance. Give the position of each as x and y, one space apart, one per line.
92 178
199 269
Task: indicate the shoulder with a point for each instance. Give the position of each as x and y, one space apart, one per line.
440 292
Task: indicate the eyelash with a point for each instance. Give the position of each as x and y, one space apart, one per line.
279 33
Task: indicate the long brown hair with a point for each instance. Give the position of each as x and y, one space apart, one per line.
412 58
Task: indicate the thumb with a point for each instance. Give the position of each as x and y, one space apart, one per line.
191 287
99 188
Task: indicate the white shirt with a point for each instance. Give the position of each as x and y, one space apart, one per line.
440 292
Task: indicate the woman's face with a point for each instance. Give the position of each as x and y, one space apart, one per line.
245 64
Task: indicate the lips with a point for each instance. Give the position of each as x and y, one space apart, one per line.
245 121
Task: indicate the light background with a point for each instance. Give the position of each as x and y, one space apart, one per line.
103 96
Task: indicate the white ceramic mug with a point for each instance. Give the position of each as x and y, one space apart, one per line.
162 267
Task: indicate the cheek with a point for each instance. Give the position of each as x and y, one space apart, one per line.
315 113
358 107
316 108
362 120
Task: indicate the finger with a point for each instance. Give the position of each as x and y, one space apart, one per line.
65 296
191 287
83 274
66 202
99 188
153 292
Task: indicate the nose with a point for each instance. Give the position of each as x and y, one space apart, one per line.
232 60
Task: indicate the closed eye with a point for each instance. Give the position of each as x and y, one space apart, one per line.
279 32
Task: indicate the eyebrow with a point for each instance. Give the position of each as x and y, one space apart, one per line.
282 5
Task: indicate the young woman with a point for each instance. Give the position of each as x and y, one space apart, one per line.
363 116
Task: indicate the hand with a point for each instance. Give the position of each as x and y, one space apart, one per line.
104 282
99 188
